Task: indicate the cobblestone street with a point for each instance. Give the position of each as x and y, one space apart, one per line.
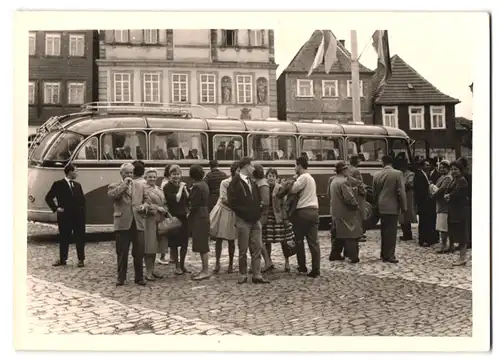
423 295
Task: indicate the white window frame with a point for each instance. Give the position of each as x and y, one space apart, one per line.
311 89
324 87
256 38
244 95
121 38
32 44
78 85
150 36
385 123
177 98
79 39
209 83
122 82
151 81
349 85
422 109
51 86
31 92
434 113
54 51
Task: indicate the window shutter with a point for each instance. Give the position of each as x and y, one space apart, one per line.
263 37
223 38
235 32
109 36
249 37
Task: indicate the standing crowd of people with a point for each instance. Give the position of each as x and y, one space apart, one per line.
254 208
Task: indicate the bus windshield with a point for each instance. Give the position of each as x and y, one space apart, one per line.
399 149
63 147
42 146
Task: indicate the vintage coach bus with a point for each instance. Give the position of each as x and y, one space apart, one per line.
103 136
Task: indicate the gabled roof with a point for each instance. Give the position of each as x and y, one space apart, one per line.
462 123
406 85
305 57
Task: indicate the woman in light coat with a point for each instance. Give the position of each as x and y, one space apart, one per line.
222 223
152 207
162 259
437 194
261 181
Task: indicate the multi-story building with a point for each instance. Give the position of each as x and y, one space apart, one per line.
229 72
409 102
322 96
62 72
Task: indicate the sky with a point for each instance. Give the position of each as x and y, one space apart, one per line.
444 57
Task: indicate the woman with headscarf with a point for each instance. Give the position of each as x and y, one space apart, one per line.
261 181
152 208
222 223
457 195
277 228
176 195
437 194
198 218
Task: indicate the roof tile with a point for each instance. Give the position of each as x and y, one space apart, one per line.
396 89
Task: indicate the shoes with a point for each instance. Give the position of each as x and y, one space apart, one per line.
302 269
242 280
81 264
391 260
260 281
59 263
336 258
314 274
140 282
119 283
354 261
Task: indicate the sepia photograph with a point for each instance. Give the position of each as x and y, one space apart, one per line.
308 179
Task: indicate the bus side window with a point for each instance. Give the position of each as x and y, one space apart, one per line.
178 145
228 147
368 149
317 148
123 145
399 149
272 147
89 150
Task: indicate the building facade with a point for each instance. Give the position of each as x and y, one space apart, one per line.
321 96
228 72
62 72
409 102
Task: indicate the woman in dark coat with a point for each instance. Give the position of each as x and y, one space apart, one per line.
176 195
198 219
457 195
468 176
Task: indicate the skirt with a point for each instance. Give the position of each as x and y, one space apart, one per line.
442 222
199 230
458 233
274 232
222 223
179 237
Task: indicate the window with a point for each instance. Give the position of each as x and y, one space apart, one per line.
31 92
125 145
272 147
121 36
330 88
228 147
207 88
151 88
368 149
229 38
349 84
32 43
42 146
256 38
53 45
77 45
390 116
399 148
150 36
51 93
179 88
438 120
317 148
64 146
244 90
178 146
416 115
89 150
76 93
121 83
304 88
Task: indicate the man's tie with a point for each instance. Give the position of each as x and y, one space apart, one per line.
71 186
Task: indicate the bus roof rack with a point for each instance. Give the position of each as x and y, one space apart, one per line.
167 109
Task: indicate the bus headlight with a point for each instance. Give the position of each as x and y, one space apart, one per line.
31 198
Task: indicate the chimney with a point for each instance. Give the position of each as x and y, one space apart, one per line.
342 42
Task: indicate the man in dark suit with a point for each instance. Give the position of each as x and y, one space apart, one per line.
426 207
70 210
389 200
244 199
213 180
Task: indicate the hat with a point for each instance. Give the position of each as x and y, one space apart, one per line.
445 163
341 166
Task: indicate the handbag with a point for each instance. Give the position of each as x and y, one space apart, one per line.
289 248
168 225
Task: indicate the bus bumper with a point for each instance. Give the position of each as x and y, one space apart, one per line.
44 216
